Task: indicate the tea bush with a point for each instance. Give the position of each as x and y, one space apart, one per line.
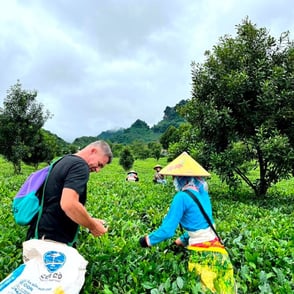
258 234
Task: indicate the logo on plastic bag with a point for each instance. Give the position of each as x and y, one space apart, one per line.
54 260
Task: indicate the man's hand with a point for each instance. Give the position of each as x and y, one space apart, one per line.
98 227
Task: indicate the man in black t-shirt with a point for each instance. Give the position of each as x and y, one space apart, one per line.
66 193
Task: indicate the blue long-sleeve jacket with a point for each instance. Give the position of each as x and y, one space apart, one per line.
183 210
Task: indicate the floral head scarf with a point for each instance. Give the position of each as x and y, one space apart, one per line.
183 182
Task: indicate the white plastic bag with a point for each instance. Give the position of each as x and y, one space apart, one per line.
49 267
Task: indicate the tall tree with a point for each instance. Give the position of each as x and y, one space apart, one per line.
155 149
190 142
126 159
45 148
20 121
139 150
171 135
242 103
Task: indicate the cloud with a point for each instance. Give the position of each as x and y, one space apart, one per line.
100 65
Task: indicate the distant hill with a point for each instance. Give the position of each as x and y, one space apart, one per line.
63 146
139 130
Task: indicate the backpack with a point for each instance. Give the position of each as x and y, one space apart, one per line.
26 203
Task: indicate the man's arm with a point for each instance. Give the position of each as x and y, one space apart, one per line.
77 212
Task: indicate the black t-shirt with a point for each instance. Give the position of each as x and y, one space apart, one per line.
70 172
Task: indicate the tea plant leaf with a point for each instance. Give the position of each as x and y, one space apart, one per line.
147 285
180 282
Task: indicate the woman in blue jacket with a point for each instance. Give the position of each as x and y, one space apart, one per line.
208 257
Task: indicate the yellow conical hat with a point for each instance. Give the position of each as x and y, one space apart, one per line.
184 165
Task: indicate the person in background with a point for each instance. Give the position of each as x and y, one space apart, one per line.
207 256
66 194
132 176
158 178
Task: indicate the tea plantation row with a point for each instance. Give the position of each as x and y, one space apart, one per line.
258 233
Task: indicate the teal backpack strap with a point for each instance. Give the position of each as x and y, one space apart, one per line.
42 204
42 199
75 238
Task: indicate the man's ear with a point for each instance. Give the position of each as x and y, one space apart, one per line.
94 151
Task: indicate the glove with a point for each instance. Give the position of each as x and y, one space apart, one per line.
143 242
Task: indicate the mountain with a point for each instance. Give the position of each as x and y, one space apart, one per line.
139 130
170 118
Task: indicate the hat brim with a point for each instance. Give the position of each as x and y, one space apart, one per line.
157 166
132 172
184 165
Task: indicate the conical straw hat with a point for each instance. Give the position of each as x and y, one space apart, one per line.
156 166
184 165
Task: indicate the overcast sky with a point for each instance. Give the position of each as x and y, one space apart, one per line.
100 65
